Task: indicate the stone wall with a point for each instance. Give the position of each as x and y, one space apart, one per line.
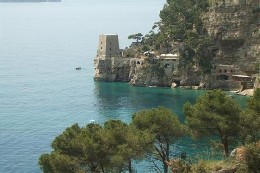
108 46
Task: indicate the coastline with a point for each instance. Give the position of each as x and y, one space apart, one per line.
246 92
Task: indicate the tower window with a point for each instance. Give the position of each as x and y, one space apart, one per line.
101 48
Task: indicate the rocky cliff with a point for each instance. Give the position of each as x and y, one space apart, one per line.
233 25
112 69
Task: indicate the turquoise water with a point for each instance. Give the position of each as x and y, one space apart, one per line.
41 93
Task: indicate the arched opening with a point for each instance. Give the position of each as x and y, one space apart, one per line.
138 62
167 66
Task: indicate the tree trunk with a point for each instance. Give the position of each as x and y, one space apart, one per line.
225 144
130 167
165 167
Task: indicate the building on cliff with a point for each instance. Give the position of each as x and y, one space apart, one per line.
230 77
149 69
109 62
143 70
108 46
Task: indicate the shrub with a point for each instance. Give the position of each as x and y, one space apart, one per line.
253 158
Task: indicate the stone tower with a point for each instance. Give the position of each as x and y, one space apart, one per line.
108 46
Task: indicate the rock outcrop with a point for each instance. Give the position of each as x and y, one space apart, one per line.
235 27
112 69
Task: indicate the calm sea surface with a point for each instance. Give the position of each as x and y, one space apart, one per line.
41 93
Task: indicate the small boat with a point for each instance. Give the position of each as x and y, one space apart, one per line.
78 68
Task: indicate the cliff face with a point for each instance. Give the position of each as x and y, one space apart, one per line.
112 69
234 25
141 71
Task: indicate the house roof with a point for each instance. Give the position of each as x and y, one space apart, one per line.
241 76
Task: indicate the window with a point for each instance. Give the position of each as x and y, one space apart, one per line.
225 71
220 71
101 48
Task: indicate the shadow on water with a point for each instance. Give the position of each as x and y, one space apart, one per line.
121 98
117 100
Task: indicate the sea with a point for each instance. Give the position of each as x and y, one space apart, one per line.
41 93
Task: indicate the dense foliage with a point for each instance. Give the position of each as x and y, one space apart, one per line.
253 158
182 23
250 120
166 128
94 148
214 114
114 146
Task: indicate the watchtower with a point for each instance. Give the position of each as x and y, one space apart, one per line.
108 46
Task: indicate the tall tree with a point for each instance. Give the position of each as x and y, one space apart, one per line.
127 143
165 126
78 150
250 119
136 37
214 114
254 102
97 149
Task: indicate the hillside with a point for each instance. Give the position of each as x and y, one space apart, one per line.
199 44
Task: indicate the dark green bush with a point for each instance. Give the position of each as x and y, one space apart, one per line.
253 158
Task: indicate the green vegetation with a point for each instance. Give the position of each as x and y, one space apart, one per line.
214 114
94 148
166 128
181 22
136 37
114 146
253 158
250 120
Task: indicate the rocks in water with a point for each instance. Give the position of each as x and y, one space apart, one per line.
174 85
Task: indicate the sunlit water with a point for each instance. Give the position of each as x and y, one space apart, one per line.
41 93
